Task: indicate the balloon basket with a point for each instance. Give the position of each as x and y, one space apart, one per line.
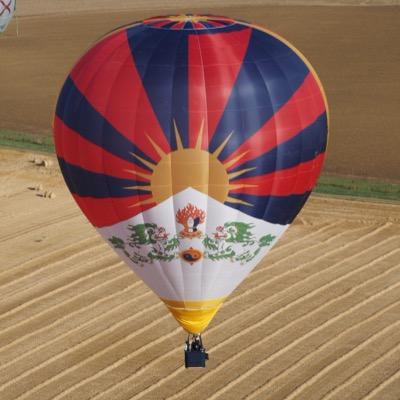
195 353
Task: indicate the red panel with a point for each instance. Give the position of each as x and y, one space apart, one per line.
197 25
109 211
302 109
157 24
296 180
76 150
216 23
214 63
107 76
178 25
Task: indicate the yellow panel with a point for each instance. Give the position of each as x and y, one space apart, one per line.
194 315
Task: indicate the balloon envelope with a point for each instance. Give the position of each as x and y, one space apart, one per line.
7 10
191 143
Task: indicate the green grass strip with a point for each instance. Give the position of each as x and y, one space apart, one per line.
26 141
327 184
369 188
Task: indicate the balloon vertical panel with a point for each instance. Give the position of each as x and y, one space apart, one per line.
191 143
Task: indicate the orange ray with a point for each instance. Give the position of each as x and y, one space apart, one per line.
138 187
157 148
221 147
143 203
238 173
141 174
238 201
241 186
145 162
233 161
178 137
200 136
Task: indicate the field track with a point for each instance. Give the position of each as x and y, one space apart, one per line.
354 50
317 319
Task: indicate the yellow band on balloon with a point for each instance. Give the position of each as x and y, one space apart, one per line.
194 315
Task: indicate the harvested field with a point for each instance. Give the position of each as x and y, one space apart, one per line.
354 50
317 319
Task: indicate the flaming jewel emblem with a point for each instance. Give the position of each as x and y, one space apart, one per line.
190 217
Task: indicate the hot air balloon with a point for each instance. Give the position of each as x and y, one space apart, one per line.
7 10
191 143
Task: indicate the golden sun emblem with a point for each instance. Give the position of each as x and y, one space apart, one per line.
190 167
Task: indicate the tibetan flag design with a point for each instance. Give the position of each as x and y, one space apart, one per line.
191 142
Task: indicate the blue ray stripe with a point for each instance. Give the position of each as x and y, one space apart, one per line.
305 146
209 24
271 72
275 209
78 114
188 25
161 58
91 184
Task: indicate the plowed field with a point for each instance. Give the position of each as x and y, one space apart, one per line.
317 319
355 51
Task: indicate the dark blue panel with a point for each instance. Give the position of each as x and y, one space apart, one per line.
303 147
169 25
275 209
161 58
208 25
79 115
188 25
91 184
271 72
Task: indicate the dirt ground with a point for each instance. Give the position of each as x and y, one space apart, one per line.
354 49
317 319
46 7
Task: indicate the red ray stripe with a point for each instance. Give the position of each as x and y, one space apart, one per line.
178 25
109 211
218 21
214 23
109 79
302 109
295 180
214 63
197 25
76 150
220 18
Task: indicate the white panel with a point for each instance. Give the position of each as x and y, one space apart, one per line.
230 243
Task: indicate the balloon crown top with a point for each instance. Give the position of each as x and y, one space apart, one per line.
189 22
